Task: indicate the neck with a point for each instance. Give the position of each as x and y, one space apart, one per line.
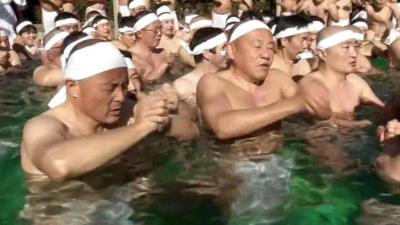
86 125
144 49
284 55
244 81
205 67
332 77
168 36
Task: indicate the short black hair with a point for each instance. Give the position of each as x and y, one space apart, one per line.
202 35
64 15
316 18
251 15
285 22
98 18
127 21
358 19
29 28
74 36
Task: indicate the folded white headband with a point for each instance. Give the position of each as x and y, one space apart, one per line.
165 16
100 22
315 26
129 63
22 26
67 51
336 39
163 9
63 22
126 30
145 21
209 44
291 31
361 25
55 39
200 24
136 4
245 28
3 33
88 62
230 22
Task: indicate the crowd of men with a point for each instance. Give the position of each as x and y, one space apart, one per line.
249 70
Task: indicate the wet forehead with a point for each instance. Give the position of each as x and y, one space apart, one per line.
257 37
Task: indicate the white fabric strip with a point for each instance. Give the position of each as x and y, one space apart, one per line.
55 39
22 26
67 51
129 63
3 33
200 24
136 4
336 39
165 16
66 21
89 31
88 62
209 44
124 10
361 25
341 23
358 36
145 21
315 26
291 31
189 18
305 55
103 21
126 30
163 9
247 27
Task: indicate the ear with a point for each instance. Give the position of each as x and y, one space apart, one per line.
207 55
321 54
284 42
230 50
138 35
73 88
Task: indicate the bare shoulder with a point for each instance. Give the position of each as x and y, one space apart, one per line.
356 79
44 120
212 80
277 75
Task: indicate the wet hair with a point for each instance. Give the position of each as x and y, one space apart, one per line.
28 28
64 15
251 15
74 36
128 21
285 22
202 35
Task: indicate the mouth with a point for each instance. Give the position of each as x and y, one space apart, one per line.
116 110
265 65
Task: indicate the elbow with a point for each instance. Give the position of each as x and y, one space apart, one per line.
57 170
222 133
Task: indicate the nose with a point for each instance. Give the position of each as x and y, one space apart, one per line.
120 93
353 51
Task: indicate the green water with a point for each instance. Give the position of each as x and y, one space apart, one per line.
184 183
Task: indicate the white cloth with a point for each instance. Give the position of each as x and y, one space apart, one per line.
219 20
341 23
48 20
124 10
245 28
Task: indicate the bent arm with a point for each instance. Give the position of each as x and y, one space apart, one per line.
151 76
61 158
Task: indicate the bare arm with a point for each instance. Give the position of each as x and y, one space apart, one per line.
383 16
227 123
367 95
333 11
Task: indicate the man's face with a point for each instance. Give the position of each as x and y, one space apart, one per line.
103 30
4 42
168 27
297 44
29 37
342 58
253 54
151 35
219 59
128 38
312 42
4 57
101 97
53 54
69 27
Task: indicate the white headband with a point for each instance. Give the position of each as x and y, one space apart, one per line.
129 63
89 30
189 18
102 21
291 31
336 39
22 26
163 9
126 30
68 49
200 24
136 4
88 62
209 44
315 26
145 21
63 22
358 36
341 23
55 39
165 16
3 33
305 55
230 22
361 24
247 27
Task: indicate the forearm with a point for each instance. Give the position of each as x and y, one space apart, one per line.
78 156
243 122
155 74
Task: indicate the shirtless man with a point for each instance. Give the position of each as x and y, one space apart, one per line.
49 74
154 62
66 21
347 91
168 41
290 7
208 48
325 9
249 97
220 12
9 62
93 98
292 35
103 28
127 36
344 10
26 43
379 18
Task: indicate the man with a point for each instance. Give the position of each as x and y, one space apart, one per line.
102 27
289 7
249 97
379 18
93 98
136 6
127 36
26 43
9 62
292 35
344 10
148 58
207 46
66 21
220 12
168 40
49 74
347 91
325 9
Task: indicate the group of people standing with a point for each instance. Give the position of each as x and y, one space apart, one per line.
246 72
